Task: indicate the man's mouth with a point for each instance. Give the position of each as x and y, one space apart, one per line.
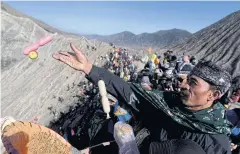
184 93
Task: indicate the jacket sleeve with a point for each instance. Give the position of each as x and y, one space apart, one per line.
117 87
211 143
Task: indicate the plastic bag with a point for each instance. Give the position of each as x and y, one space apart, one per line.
124 136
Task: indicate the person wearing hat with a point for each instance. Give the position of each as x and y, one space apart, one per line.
194 113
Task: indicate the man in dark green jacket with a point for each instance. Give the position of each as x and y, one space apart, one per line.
193 114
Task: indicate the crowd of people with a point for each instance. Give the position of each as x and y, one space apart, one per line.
162 74
175 105
167 73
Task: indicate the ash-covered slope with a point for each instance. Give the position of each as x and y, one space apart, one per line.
5 7
219 42
41 87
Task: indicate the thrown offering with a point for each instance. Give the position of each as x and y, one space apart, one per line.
33 55
45 40
30 48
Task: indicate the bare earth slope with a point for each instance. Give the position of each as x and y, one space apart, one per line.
5 7
219 42
30 88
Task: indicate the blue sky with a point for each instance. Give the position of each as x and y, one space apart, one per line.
107 17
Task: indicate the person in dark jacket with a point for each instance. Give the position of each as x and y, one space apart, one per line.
194 113
178 146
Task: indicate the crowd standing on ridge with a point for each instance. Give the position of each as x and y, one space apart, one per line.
163 73
141 97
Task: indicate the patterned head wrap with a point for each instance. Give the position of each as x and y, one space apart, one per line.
213 74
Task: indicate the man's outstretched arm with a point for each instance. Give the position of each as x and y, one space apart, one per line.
115 85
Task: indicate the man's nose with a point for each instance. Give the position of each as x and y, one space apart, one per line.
184 84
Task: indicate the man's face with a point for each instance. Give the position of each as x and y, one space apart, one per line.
195 92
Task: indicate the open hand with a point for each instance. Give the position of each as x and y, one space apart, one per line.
76 60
